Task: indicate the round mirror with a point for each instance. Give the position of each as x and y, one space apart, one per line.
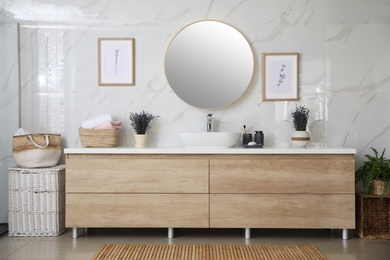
209 64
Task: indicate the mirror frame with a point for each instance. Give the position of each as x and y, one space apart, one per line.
253 62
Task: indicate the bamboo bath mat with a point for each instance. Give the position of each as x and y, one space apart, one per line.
209 252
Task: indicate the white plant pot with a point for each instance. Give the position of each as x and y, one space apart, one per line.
140 140
300 138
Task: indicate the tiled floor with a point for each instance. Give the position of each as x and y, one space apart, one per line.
329 242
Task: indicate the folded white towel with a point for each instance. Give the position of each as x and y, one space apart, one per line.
96 121
21 131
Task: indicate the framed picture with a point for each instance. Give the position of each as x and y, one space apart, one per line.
116 61
280 76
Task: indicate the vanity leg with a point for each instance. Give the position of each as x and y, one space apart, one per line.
345 234
75 233
171 233
247 233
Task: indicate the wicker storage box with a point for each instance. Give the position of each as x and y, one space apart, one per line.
372 217
98 137
37 201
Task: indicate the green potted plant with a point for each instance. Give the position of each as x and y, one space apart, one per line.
375 174
300 115
141 123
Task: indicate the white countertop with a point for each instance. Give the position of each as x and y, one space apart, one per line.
311 149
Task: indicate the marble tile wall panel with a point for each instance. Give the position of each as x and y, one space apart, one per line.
9 104
358 75
344 66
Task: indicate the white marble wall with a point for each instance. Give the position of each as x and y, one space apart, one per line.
344 66
358 74
9 104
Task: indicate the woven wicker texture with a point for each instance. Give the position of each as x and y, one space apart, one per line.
22 143
211 252
37 201
377 188
98 137
372 217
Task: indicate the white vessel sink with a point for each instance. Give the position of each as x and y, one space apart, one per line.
209 139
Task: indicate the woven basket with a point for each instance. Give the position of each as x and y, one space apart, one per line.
98 137
37 150
36 201
372 217
377 187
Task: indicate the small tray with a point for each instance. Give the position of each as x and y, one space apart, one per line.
253 146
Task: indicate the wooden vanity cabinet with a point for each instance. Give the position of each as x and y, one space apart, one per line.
283 191
104 190
210 190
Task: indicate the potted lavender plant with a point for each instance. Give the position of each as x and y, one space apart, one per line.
300 137
141 123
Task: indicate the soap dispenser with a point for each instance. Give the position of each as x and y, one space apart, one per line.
259 137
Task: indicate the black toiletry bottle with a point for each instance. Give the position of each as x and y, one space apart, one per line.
259 137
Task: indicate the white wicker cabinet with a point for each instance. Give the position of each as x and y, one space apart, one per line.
37 201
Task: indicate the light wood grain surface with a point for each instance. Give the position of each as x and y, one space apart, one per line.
328 174
282 210
137 175
137 210
221 191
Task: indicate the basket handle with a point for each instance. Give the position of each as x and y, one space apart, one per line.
37 145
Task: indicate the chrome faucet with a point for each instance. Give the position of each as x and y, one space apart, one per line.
209 122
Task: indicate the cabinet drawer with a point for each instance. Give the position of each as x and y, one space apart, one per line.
137 210
137 175
297 174
282 211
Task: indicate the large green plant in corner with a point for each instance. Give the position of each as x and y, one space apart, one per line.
375 168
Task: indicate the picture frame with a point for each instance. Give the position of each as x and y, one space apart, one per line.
116 65
280 74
